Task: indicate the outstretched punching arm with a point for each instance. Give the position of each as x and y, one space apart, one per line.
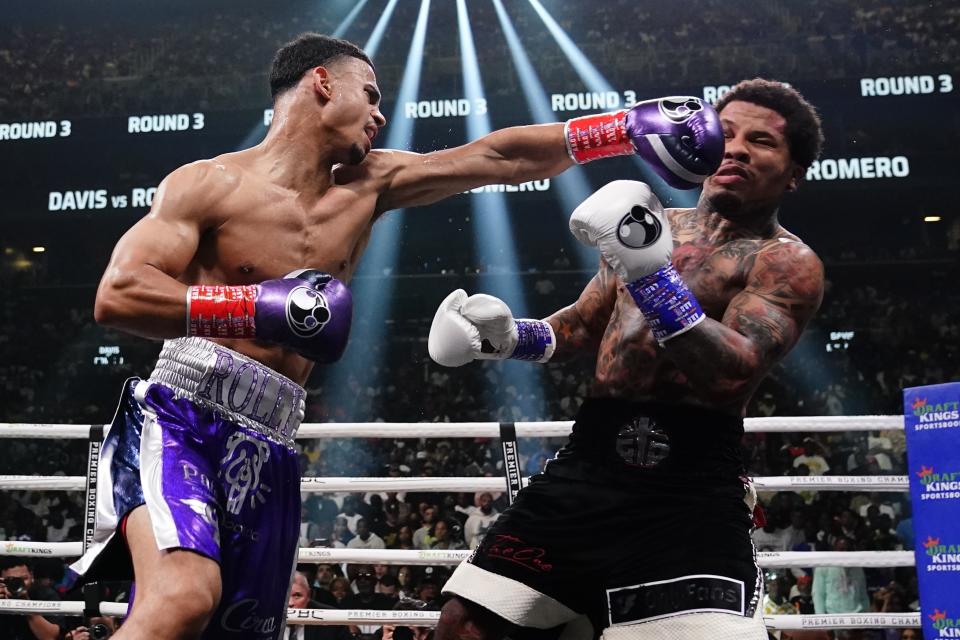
681 138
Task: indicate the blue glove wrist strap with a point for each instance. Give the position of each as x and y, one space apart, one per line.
535 338
666 302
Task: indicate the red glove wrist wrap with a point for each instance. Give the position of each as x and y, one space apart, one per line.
220 311
602 135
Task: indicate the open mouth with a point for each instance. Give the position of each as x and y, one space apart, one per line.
371 133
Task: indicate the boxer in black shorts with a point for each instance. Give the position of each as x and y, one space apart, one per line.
642 522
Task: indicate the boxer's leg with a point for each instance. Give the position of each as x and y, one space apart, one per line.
177 590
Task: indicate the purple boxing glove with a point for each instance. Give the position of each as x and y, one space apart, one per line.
680 137
307 311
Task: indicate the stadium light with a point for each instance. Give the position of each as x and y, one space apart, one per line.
39 249
373 287
493 240
373 42
932 218
346 22
595 82
572 185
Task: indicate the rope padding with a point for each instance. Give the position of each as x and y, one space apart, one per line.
457 484
430 618
548 429
318 555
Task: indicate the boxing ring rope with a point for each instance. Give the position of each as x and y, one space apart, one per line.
433 557
459 484
769 560
784 424
429 618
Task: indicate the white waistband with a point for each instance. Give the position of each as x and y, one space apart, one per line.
240 387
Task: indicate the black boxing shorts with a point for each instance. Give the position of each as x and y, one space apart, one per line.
644 515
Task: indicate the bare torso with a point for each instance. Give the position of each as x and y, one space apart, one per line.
267 231
716 267
286 204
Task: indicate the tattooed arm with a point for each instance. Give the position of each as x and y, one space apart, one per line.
580 327
724 361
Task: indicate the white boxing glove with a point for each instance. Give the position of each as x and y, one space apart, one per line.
625 220
482 327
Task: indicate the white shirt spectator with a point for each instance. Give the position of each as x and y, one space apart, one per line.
373 541
55 534
351 521
816 463
477 526
770 540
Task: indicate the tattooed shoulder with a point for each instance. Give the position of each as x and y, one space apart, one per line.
682 219
790 272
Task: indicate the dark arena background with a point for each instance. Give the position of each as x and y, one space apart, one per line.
101 99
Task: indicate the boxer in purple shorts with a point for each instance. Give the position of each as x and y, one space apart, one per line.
205 443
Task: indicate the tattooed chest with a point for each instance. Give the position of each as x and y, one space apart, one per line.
629 363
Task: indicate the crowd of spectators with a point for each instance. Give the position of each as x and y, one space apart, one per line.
120 66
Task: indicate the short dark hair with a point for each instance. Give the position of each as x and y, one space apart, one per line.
14 561
307 51
804 131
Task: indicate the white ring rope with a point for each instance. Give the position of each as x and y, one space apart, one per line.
430 618
440 484
845 621
318 555
436 557
779 424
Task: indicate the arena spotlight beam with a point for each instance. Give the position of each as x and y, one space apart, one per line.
346 22
373 285
373 42
572 185
595 82
492 237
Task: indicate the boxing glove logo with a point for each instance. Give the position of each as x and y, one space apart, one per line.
681 109
639 229
307 311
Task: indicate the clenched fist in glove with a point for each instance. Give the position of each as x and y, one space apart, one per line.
482 327
680 138
626 221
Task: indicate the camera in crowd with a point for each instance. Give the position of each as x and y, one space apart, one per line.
17 587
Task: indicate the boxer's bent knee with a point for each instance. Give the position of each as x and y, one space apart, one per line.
177 590
188 597
178 602
463 619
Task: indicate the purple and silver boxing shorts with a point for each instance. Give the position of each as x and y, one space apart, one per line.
207 444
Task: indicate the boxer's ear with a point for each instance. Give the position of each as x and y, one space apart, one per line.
322 82
796 175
